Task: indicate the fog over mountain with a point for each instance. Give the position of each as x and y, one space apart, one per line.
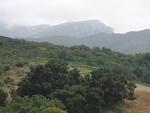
92 33
131 42
72 29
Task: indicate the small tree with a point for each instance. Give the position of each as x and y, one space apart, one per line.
44 79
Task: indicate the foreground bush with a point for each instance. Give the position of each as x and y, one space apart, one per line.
34 104
80 94
53 110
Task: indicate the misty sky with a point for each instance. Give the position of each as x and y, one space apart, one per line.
122 15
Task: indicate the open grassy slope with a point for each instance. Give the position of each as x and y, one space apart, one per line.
142 102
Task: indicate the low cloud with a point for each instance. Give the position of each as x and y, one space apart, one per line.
123 15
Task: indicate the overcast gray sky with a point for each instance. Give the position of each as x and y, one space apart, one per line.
122 15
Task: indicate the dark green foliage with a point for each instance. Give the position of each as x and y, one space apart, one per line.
44 79
106 86
35 104
115 88
79 94
19 64
18 53
73 97
75 76
53 110
106 50
146 76
3 97
64 55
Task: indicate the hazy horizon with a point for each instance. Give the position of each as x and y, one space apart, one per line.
122 15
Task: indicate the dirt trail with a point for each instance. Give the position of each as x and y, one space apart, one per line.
142 102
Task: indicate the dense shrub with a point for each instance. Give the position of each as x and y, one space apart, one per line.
53 110
44 79
104 87
20 52
79 94
3 97
34 104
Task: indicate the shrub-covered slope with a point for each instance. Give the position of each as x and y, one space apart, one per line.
14 52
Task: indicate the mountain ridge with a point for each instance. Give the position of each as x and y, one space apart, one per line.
75 29
130 42
92 33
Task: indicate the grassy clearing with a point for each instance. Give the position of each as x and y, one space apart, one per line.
83 68
142 102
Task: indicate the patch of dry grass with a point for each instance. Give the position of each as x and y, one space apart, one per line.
10 80
142 102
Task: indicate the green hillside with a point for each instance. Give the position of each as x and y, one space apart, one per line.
41 77
15 52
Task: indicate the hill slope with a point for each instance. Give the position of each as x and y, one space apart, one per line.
15 52
131 42
142 102
20 54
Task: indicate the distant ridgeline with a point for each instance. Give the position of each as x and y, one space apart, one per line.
90 33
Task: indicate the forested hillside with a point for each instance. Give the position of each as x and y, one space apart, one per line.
75 79
16 52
